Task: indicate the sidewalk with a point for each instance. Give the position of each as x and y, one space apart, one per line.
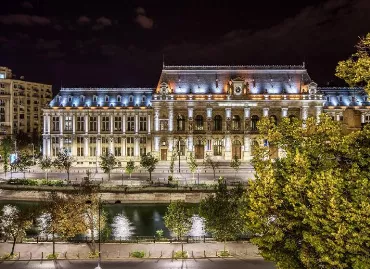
33 251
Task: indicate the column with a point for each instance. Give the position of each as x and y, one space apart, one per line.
156 143
124 147
170 143
136 123
362 117
61 142
45 125
227 147
190 143
44 145
98 147
265 112
247 149
190 112
99 124
148 123
247 112
228 119
209 112
337 118
318 113
156 119
136 147
73 123
304 113
86 124
61 126
48 148
124 123
111 120
170 118
111 145
284 112
48 122
86 146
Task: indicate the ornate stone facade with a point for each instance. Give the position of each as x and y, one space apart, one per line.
199 110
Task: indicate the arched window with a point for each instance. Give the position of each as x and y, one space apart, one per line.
217 123
254 121
69 98
106 98
217 147
199 123
236 122
180 123
273 119
143 98
292 118
95 98
130 98
82 98
119 98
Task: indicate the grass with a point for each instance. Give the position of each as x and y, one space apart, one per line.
52 256
224 253
7 256
93 255
137 254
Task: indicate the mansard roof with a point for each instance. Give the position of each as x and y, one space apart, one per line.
102 97
215 78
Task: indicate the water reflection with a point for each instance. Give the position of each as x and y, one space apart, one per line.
198 226
43 223
122 227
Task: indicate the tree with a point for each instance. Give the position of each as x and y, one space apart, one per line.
209 162
192 164
14 223
64 161
235 164
356 70
149 162
221 212
310 209
5 150
21 164
108 162
130 167
172 162
45 165
64 215
178 219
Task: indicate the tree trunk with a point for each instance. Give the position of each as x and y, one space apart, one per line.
193 175
93 245
53 244
214 173
24 174
68 176
150 176
130 176
14 240
224 245
109 176
46 176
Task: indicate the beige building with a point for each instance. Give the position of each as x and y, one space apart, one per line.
21 103
203 110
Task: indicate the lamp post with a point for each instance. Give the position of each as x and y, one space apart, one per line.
99 231
33 153
122 175
178 153
198 170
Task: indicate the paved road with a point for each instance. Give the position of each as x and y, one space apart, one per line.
142 264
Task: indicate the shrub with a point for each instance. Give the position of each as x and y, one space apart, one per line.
180 255
159 233
224 253
52 256
138 254
57 182
170 178
7 256
93 255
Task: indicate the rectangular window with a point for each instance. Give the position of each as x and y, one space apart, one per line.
117 123
217 147
117 151
93 124
92 140
104 151
142 140
130 140
209 143
117 140
130 123
130 151
68 123
92 151
56 125
80 123
80 151
105 123
142 126
142 151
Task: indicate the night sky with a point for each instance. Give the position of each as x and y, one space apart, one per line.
122 43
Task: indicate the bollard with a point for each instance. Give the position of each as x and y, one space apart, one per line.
216 253
172 254
192 254
118 253
42 255
204 253
161 253
65 255
149 254
153 239
204 238
37 239
30 255
137 240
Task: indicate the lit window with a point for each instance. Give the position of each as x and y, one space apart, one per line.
131 98
95 98
143 99
106 98
118 98
69 98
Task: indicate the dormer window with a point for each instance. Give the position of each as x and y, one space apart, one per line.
327 98
340 98
118 98
106 98
82 98
143 98
130 98
95 98
69 98
59 99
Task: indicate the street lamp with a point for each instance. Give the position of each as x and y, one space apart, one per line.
198 170
178 152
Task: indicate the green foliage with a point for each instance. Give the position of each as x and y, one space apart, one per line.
224 253
172 162
8 256
130 167
222 212
235 164
64 161
107 163
209 162
159 233
138 254
93 255
311 209
192 163
14 223
22 163
36 182
149 162
5 150
45 164
180 255
52 256
356 70
178 218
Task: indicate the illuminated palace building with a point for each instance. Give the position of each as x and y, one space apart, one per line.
203 110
